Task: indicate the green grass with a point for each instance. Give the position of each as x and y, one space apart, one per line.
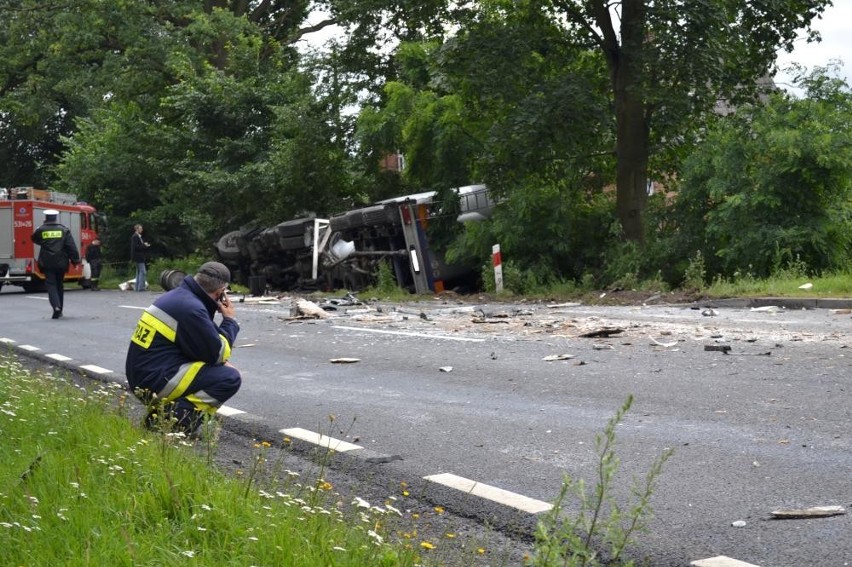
783 285
80 484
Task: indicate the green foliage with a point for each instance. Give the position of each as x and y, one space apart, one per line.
573 541
695 276
771 186
385 279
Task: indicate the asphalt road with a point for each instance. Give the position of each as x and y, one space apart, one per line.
463 389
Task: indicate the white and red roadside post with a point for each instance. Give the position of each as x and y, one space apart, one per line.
497 260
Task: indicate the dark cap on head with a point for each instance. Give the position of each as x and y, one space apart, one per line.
216 271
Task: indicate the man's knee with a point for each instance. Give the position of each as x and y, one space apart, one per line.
229 381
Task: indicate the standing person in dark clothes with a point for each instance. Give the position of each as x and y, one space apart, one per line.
57 249
138 252
93 257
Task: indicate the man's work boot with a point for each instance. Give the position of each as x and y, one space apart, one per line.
57 313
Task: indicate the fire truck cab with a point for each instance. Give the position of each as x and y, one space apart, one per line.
21 212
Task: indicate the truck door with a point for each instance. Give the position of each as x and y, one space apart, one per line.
7 235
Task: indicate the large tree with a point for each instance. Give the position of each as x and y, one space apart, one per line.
670 60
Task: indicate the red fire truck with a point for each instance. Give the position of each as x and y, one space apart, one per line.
21 212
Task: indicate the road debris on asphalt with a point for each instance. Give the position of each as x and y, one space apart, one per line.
344 360
311 309
805 513
603 332
552 357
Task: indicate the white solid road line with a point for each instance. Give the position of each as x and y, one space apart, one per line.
320 439
407 334
133 307
518 501
721 561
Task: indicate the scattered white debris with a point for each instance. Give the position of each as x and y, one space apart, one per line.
552 357
662 344
814 512
310 308
446 369
808 285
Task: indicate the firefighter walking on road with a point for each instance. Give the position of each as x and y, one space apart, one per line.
57 249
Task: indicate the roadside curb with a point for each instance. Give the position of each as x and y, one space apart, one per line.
783 302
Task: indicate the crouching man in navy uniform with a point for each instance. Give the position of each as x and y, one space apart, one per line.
177 362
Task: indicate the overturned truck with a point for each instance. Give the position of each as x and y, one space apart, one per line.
346 250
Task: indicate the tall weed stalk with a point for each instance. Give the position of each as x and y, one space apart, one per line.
574 540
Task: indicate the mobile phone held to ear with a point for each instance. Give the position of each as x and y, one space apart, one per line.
224 297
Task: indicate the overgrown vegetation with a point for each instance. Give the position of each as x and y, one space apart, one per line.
574 538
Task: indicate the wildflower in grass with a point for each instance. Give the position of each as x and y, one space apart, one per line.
188 553
439 509
427 545
394 510
481 551
252 538
450 535
377 539
325 485
338 548
360 502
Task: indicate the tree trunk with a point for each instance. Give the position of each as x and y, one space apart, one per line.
631 164
632 132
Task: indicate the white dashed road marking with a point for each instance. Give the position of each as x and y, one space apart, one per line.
95 369
721 561
59 357
7 341
133 307
30 348
492 493
406 334
320 439
227 411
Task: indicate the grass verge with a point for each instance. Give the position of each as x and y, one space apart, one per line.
80 484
